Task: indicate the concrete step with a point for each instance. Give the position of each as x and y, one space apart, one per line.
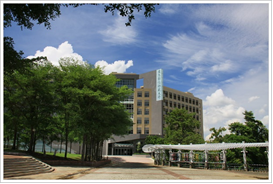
25 165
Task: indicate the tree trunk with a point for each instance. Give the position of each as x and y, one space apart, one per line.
83 146
61 143
31 140
34 142
44 150
14 137
66 134
66 142
70 146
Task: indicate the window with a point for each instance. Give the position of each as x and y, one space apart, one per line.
197 117
187 107
174 96
139 102
146 130
174 104
197 110
182 98
127 82
146 120
179 106
165 94
146 111
190 100
139 94
178 97
139 111
147 94
193 109
166 103
186 99
171 104
147 103
138 130
130 109
165 112
170 95
183 106
193 101
196 102
138 120
190 108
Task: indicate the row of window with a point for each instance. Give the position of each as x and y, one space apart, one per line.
140 94
180 98
146 121
146 103
127 82
146 130
179 106
139 111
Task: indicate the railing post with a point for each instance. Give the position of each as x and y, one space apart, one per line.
267 152
156 157
179 158
191 159
170 156
163 157
244 157
206 159
224 166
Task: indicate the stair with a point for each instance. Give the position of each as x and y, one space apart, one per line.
24 165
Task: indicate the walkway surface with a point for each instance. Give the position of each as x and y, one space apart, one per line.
140 168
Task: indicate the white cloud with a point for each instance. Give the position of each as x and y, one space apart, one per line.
218 99
118 66
220 111
226 66
265 120
119 33
55 54
168 8
253 98
226 52
192 89
229 38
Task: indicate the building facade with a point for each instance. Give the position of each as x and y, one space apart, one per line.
148 105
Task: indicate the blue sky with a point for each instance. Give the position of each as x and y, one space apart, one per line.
219 52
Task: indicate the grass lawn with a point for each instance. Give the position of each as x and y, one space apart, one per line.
69 155
59 156
141 154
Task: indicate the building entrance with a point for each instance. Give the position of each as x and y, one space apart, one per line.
120 149
123 151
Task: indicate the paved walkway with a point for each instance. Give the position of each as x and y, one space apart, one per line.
141 168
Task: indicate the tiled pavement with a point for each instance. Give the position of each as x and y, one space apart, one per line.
140 168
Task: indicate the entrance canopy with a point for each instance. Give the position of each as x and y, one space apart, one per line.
203 147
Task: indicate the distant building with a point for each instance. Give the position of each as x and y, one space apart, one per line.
148 105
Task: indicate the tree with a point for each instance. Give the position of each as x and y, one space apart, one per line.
253 130
29 99
216 135
24 14
154 139
92 103
250 131
181 128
